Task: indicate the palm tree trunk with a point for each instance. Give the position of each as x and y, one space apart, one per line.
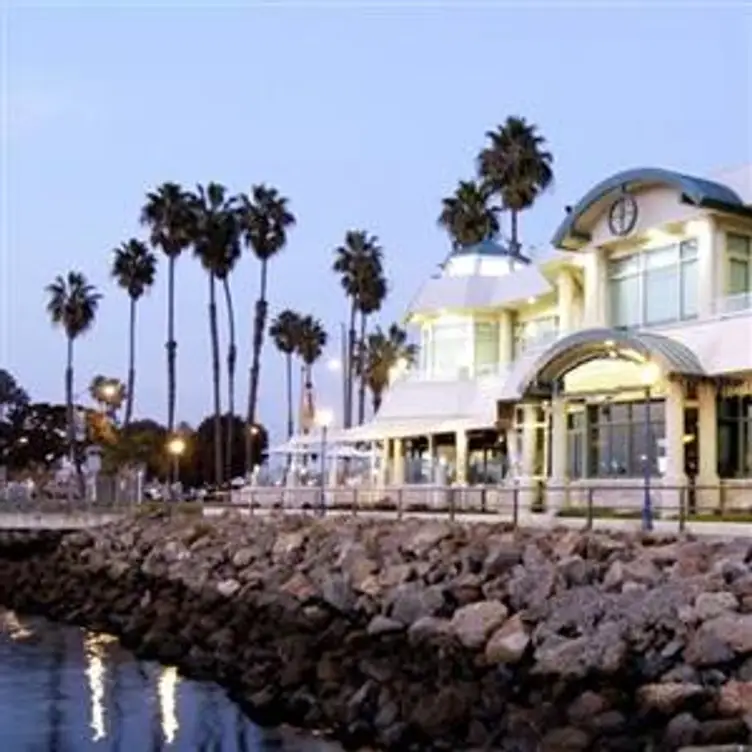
376 398
71 428
515 241
290 424
259 323
350 366
172 347
361 370
215 378
232 355
131 365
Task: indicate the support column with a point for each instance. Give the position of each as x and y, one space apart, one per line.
460 439
506 337
431 458
528 483
709 264
595 289
565 293
383 476
398 465
558 494
708 482
674 476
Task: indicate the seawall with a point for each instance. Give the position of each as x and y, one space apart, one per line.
421 635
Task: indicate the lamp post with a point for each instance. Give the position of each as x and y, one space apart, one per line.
649 376
323 420
253 432
175 448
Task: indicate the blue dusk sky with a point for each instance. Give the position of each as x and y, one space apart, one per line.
365 115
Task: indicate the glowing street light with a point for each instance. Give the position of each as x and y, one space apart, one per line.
176 447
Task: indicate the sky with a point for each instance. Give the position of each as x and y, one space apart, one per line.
364 114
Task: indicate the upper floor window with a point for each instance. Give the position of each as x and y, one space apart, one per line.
654 287
486 347
535 333
739 254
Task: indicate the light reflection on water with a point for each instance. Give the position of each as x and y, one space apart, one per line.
65 690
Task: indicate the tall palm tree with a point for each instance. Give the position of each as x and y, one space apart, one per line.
384 351
285 331
265 221
134 267
467 216
370 300
517 167
311 344
72 305
358 261
217 245
167 214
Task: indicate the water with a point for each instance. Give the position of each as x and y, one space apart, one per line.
66 690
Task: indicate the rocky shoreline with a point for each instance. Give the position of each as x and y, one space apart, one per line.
418 635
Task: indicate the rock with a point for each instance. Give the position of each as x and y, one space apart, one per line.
413 601
669 698
710 605
228 588
243 557
567 739
508 643
731 630
288 543
428 628
472 624
735 698
382 625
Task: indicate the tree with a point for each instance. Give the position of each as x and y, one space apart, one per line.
285 331
265 221
72 305
134 267
370 300
13 401
310 348
216 244
200 467
466 215
384 352
167 214
359 263
516 167
35 436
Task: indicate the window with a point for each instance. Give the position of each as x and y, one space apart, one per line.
486 347
609 440
735 437
739 253
654 287
451 348
535 333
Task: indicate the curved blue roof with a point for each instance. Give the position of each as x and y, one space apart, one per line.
697 191
488 247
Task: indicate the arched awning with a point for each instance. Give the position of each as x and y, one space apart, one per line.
692 190
672 357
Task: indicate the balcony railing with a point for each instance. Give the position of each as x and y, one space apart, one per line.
731 304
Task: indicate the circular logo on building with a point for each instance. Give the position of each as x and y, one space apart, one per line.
622 216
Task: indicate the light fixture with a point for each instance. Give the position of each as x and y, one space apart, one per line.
176 446
609 343
650 373
324 417
531 300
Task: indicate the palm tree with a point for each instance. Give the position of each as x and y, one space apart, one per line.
72 305
265 221
134 268
370 300
285 331
384 351
108 393
466 215
167 214
311 344
516 167
358 261
216 244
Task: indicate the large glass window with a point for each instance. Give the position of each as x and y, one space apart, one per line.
610 440
451 348
739 253
535 333
486 347
735 437
654 287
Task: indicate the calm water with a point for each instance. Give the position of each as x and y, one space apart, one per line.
64 690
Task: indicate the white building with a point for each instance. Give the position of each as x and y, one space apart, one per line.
546 370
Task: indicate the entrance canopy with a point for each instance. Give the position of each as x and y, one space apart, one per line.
671 357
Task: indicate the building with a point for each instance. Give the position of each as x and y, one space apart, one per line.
626 347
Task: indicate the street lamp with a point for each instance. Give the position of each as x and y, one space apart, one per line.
323 419
253 432
648 376
176 448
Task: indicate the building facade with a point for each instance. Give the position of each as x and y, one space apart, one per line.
624 352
